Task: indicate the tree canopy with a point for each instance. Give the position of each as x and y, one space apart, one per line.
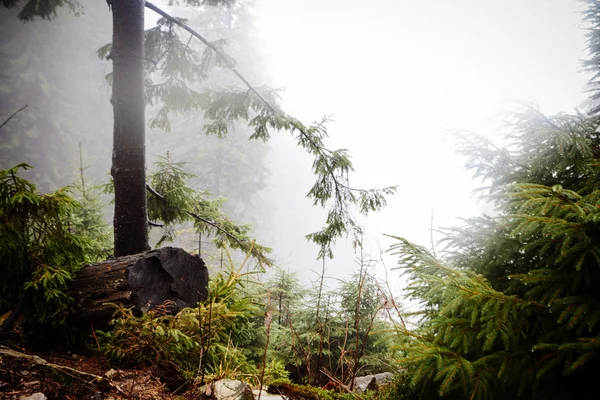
158 67
512 307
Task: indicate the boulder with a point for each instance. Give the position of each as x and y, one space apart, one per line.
35 396
371 382
227 389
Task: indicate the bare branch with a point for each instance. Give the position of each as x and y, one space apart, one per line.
13 114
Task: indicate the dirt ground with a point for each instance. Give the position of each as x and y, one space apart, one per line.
70 376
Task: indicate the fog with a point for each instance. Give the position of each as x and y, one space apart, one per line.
395 76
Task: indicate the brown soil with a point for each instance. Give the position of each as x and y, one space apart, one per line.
67 376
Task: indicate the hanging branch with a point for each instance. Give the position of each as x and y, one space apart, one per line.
215 225
331 167
155 193
243 244
211 46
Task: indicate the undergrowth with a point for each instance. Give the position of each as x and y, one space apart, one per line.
196 344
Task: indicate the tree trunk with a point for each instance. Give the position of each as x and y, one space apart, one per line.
143 281
129 148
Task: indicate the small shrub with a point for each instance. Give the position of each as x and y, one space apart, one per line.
201 341
275 371
39 251
152 338
306 392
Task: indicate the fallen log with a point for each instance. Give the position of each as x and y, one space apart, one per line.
143 281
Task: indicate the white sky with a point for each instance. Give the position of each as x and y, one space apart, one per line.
396 74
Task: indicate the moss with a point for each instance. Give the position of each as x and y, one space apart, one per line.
305 392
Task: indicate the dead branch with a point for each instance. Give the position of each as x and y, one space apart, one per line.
340 384
85 377
13 114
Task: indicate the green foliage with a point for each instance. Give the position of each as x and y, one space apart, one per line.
513 309
202 341
45 9
368 332
286 293
332 170
295 391
87 220
173 202
275 372
173 76
592 64
398 389
539 149
39 251
319 330
154 337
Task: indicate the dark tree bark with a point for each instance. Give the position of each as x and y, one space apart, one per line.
129 149
142 281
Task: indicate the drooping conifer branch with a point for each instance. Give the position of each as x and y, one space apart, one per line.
155 193
216 226
225 226
331 167
224 57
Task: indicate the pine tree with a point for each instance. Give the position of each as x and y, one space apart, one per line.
514 308
286 294
39 251
172 202
170 67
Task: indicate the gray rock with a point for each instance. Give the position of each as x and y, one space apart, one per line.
35 396
227 389
266 396
113 374
371 382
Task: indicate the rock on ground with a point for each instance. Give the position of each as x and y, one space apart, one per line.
371 382
35 396
227 389
266 396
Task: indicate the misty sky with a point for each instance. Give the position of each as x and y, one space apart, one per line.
397 74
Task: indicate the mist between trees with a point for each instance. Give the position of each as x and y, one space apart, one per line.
507 303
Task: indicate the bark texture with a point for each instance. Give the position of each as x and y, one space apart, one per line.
143 281
129 148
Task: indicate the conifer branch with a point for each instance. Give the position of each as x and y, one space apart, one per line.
327 163
155 193
244 244
215 225
221 54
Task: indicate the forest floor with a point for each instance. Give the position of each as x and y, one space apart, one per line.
69 376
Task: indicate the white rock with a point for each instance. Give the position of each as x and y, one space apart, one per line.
228 389
35 396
